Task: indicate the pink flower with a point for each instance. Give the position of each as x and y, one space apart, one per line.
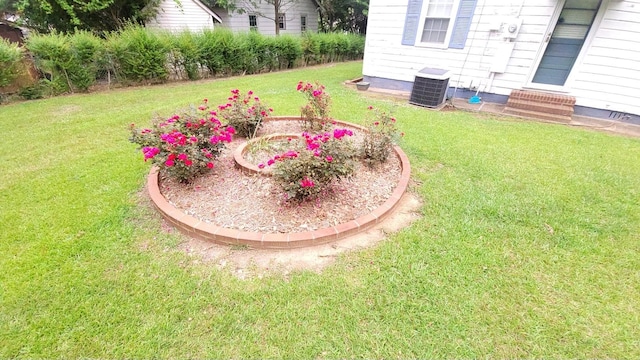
206 100
250 92
306 182
202 107
299 86
270 162
188 162
261 166
329 158
169 163
376 123
210 165
182 157
193 139
370 108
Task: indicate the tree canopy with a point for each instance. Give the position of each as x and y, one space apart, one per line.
344 15
70 15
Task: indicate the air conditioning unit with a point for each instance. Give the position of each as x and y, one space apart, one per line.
430 87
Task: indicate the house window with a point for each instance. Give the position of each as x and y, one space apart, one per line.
282 21
303 23
436 21
253 22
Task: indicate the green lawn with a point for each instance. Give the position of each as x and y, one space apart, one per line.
528 246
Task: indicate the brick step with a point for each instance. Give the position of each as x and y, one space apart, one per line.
554 109
543 97
538 115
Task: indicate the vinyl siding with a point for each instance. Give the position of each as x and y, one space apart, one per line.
240 22
605 76
187 16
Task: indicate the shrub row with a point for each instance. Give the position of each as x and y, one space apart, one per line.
72 63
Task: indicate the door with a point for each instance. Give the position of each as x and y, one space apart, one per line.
564 43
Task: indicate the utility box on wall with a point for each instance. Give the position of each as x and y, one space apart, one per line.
430 87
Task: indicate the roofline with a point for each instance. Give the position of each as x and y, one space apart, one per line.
209 11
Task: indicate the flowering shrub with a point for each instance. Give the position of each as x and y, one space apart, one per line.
380 137
244 113
313 163
185 146
315 113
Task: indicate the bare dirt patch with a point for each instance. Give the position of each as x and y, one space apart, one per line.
251 263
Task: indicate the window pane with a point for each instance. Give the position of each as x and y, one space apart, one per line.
435 30
440 8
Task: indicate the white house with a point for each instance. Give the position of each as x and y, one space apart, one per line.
190 15
586 50
295 17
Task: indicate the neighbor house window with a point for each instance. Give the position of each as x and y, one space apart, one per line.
438 23
253 22
303 23
282 21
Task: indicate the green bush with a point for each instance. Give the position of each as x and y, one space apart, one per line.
10 58
288 50
135 54
211 52
86 54
185 54
71 61
139 55
52 56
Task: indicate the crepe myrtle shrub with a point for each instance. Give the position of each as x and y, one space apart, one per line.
315 113
313 163
244 113
184 146
382 134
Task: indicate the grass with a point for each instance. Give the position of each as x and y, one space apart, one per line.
528 245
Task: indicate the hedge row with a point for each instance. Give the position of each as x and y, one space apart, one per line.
72 63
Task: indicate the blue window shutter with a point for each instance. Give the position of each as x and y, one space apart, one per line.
463 24
411 22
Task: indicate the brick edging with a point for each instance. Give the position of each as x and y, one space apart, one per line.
194 227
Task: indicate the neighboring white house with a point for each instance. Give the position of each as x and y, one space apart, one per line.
587 49
295 18
190 15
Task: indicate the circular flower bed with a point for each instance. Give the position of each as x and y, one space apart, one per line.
206 227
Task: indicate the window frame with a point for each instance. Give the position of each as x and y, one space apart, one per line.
423 17
253 28
282 25
303 24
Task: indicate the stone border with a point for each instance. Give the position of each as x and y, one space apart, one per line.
196 228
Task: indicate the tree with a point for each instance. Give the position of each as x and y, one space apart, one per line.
70 15
345 15
280 7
